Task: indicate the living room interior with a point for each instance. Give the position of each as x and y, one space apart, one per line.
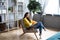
46 11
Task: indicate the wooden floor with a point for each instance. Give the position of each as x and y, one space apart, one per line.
15 35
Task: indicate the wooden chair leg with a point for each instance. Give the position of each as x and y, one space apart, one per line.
36 36
22 34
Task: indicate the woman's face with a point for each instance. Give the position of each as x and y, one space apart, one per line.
28 15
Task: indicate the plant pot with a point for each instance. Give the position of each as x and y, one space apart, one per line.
40 13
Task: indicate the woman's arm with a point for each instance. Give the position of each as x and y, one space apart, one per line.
27 22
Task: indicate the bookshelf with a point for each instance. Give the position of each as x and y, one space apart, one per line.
10 18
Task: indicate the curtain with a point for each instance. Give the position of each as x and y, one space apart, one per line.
50 6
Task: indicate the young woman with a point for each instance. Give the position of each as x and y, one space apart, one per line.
28 22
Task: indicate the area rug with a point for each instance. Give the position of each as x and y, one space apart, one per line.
55 37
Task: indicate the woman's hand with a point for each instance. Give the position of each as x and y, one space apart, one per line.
33 22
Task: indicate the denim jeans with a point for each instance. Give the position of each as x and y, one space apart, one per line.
39 26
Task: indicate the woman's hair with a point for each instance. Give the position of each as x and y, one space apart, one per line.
25 16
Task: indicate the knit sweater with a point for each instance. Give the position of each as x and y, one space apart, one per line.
27 23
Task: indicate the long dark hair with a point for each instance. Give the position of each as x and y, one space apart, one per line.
26 17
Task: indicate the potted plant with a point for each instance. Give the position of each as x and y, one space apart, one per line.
34 6
10 9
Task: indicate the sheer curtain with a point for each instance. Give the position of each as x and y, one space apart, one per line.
59 6
50 6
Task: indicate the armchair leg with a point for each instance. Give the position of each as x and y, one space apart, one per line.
36 36
22 34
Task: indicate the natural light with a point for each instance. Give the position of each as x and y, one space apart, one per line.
52 7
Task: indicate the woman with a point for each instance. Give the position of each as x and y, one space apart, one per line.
28 22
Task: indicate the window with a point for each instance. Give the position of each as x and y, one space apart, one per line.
50 6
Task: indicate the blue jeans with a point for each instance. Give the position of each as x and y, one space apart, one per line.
39 26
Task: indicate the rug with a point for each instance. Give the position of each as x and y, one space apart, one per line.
55 37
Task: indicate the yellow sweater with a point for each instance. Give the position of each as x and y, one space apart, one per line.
27 23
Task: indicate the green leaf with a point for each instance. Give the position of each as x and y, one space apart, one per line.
34 6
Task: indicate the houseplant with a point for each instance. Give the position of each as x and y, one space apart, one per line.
34 6
10 9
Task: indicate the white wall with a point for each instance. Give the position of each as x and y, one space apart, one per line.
25 5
